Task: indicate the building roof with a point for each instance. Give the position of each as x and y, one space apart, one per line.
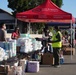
3 11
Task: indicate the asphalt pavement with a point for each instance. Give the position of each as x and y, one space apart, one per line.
68 68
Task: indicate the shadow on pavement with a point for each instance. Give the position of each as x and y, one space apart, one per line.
45 65
69 64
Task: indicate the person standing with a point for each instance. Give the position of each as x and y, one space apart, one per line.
45 35
46 32
15 33
3 32
56 44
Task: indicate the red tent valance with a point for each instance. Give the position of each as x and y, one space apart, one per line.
46 12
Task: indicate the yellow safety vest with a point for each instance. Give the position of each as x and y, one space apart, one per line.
56 44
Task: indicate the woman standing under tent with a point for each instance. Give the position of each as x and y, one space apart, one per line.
16 33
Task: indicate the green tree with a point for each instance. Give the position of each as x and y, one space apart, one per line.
59 3
23 5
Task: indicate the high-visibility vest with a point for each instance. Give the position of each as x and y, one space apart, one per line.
57 44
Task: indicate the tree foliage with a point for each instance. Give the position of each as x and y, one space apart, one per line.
23 5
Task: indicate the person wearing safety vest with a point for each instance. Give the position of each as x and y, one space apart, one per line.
56 44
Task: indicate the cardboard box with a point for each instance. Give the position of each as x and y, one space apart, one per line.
47 59
2 74
16 70
23 63
10 72
68 51
4 69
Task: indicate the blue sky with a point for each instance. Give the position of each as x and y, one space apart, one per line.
3 5
68 6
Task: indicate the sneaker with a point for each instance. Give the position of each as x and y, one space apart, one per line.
57 66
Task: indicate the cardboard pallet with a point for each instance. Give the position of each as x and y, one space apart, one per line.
68 51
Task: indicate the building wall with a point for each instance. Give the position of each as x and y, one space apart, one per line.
8 19
5 16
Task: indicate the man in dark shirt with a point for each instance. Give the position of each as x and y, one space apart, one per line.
2 32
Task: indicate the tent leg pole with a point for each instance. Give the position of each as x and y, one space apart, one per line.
75 37
15 22
29 28
74 34
71 40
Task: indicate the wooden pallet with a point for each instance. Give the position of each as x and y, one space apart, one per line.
69 51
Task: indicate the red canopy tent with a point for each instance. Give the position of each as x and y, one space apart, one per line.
46 12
